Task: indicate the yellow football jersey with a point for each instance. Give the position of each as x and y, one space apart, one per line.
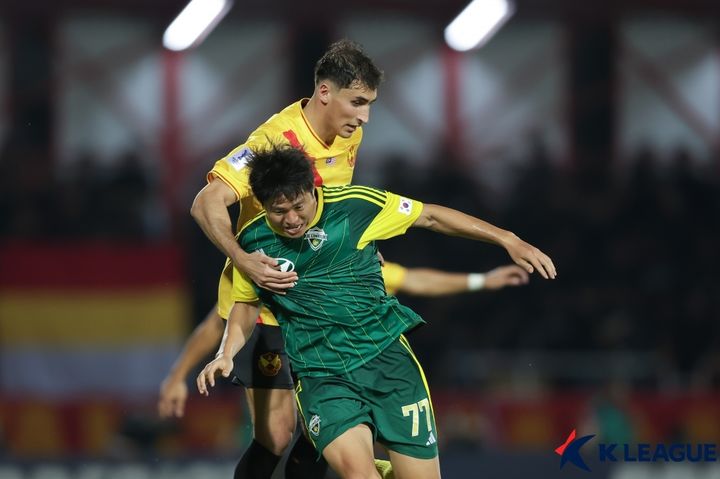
333 165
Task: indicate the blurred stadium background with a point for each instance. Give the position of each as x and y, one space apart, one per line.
590 129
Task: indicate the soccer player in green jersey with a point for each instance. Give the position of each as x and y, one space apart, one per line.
358 379
328 127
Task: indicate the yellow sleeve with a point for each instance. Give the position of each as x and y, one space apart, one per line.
232 169
397 215
224 301
243 290
394 276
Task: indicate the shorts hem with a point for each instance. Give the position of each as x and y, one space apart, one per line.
240 383
406 452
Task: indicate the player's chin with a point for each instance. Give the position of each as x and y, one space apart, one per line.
295 232
347 132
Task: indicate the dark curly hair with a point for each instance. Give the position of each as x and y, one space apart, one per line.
280 171
345 63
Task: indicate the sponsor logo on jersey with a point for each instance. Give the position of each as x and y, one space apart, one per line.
314 426
330 161
240 159
270 364
316 237
431 439
405 206
285 265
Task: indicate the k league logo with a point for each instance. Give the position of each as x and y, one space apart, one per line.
636 453
570 451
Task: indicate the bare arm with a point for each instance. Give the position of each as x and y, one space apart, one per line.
209 209
203 340
454 223
432 282
238 329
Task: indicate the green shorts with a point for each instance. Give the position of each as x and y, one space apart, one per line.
389 394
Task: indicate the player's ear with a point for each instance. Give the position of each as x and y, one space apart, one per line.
324 91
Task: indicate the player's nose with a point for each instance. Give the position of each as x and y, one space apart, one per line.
363 115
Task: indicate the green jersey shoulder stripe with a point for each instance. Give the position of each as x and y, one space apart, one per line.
361 197
334 192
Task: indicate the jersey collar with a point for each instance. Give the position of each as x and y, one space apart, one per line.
302 104
320 203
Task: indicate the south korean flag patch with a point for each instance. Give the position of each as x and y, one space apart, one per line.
405 206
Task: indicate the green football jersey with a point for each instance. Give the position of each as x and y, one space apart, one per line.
338 316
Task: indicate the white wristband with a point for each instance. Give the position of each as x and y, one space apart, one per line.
475 281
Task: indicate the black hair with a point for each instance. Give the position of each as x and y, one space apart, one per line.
345 63
280 171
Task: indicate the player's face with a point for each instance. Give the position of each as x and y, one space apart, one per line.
291 218
349 108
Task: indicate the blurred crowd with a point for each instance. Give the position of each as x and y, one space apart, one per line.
115 199
635 244
636 250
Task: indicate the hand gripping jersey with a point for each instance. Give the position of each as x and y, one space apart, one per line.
333 165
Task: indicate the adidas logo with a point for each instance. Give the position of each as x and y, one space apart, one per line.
431 439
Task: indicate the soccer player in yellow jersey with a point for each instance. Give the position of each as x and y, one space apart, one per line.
328 128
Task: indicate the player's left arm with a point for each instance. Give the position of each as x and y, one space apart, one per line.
433 282
451 222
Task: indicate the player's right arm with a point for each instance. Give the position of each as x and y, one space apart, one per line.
238 329
451 222
240 324
209 209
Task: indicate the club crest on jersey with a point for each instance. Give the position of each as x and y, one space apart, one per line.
316 237
240 159
314 426
330 161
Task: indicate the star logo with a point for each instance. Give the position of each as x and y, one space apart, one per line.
570 451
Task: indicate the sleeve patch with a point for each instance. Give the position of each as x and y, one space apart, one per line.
239 160
405 207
